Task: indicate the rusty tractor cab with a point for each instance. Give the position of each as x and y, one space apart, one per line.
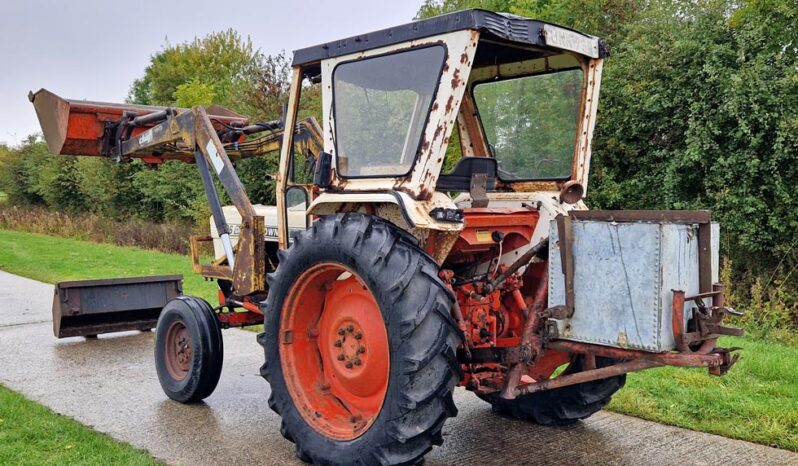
390 280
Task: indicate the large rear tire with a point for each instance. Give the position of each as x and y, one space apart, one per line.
188 349
561 406
360 344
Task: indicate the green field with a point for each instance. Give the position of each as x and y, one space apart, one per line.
31 434
757 401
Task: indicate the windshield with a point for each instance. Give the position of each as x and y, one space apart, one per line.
381 106
531 123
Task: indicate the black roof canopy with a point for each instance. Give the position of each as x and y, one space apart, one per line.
498 25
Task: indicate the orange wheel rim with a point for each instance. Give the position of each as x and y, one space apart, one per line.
334 351
177 349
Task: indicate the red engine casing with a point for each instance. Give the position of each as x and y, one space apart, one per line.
495 318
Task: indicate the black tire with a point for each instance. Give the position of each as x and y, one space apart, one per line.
561 406
422 339
207 350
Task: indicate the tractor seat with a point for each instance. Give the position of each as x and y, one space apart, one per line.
474 175
459 179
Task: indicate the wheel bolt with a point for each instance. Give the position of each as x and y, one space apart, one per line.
361 349
338 343
358 336
350 328
341 332
340 357
358 362
348 365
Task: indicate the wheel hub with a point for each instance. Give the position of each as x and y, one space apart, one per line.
350 345
183 350
336 362
178 350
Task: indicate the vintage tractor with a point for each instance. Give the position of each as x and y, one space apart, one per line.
386 280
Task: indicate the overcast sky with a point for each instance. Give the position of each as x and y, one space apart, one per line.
94 49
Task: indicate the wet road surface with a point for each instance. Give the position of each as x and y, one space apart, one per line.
110 384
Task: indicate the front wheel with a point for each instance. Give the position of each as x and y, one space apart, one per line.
188 349
359 344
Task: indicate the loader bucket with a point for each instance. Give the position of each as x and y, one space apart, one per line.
91 307
76 127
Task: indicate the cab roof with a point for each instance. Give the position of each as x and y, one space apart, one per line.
502 26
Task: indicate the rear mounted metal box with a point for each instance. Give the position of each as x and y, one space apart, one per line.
625 266
91 307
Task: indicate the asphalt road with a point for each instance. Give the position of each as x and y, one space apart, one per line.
110 385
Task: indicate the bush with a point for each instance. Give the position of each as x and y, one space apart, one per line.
172 191
169 236
699 110
18 171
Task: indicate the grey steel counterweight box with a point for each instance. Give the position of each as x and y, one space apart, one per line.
624 274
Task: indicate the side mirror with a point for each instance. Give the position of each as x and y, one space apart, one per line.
323 173
296 198
296 204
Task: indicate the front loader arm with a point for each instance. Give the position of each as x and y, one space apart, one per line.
193 129
211 138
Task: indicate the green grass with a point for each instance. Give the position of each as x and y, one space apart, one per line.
756 401
31 434
52 259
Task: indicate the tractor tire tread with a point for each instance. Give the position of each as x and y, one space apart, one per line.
426 369
561 406
199 318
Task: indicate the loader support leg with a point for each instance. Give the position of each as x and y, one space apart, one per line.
216 207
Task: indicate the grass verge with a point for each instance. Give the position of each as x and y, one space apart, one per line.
51 259
757 401
31 434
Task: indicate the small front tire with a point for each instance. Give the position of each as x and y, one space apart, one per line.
188 349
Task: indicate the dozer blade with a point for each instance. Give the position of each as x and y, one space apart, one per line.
92 307
76 127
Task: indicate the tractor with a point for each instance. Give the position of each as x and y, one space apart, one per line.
430 232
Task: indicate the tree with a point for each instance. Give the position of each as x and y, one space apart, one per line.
606 18
217 64
18 170
698 110
218 69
